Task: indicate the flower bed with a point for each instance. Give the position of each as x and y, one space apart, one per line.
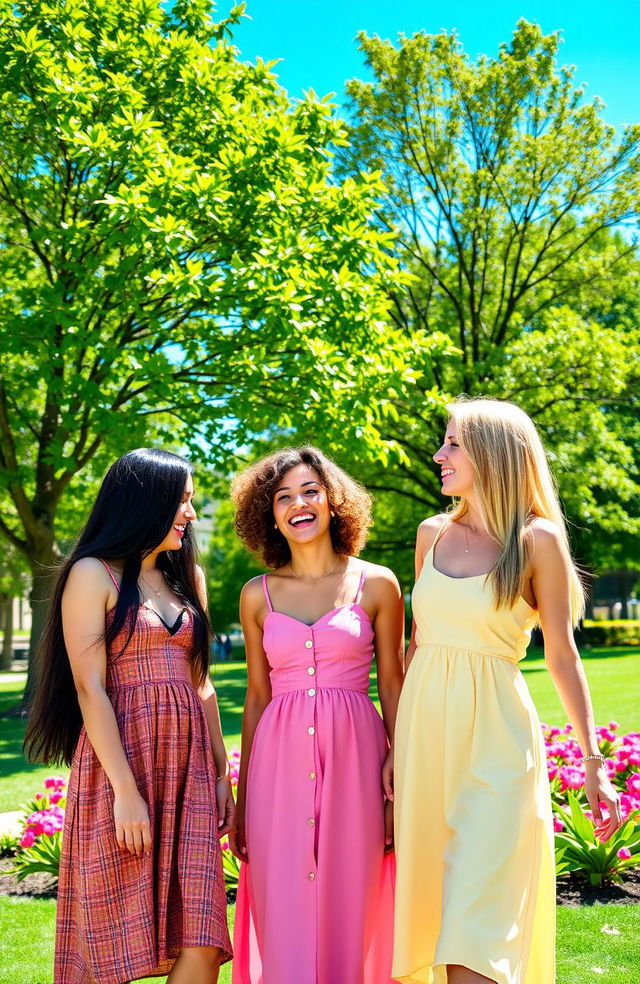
578 851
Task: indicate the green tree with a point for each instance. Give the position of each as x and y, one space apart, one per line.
507 193
175 253
228 565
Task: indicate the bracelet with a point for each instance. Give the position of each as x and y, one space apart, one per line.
220 778
594 758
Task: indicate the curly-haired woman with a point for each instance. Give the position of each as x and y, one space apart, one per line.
315 898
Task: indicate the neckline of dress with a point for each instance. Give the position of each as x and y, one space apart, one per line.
332 611
474 577
172 630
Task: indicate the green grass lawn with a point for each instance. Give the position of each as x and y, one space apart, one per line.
614 678
586 954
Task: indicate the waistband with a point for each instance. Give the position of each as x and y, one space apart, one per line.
485 654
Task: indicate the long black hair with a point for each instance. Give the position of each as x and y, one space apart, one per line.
132 515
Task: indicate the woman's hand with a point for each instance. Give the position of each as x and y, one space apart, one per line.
226 806
388 826
387 775
131 815
598 789
237 841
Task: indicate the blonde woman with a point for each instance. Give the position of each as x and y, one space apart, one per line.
475 897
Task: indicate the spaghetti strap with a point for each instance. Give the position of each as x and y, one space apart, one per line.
438 535
266 592
363 575
110 572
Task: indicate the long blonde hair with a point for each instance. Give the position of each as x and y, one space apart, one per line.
513 485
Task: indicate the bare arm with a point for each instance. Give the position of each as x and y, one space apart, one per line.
388 626
389 644
86 596
209 699
427 532
257 698
425 536
550 570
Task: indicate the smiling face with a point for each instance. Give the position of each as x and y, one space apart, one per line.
456 470
185 514
300 505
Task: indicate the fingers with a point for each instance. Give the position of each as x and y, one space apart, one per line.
134 838
608 826
387 781
388 826
237 844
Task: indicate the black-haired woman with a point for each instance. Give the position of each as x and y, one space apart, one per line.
125 697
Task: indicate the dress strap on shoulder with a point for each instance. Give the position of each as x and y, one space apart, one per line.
441 530
266 592
110 573
363 577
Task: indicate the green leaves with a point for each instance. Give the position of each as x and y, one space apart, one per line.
579 851
178 262
503 187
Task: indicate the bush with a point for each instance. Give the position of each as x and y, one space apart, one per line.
614 632
40 843
578 851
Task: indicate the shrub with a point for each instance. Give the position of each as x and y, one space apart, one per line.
613 632
40 842
578 850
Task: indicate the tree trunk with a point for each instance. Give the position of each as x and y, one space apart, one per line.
43 574
6 620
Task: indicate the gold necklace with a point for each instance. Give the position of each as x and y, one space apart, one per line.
318 580
467 545
150 586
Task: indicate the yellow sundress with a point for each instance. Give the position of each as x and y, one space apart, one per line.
473 825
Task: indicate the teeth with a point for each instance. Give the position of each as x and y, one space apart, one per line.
299 519
447 471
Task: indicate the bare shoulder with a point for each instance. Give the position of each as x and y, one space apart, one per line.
88 579
252 594
428 530
549 546
382 580
201 586
547 536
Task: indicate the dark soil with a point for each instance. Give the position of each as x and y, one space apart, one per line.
570 891
38 886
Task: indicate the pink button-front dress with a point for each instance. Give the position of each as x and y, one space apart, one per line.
315 900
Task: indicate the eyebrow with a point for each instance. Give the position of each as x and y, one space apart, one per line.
287 488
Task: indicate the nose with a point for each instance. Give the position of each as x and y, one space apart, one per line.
190 512
440 456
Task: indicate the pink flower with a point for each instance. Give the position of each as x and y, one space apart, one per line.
56 796
224 845
557 824
38 796
49 826
53 782
624 853
571 778
28 839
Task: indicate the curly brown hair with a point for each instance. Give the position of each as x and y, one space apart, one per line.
253 489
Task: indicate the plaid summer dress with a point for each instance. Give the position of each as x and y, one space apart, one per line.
122 916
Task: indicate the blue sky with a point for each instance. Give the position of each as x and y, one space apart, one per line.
316 40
